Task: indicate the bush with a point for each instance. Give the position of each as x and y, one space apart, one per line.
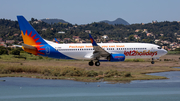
46 72
100 73
5 71
112 73
40 57
15 52
127 75
91 73
3 50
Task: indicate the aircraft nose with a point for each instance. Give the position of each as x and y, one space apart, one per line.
164 52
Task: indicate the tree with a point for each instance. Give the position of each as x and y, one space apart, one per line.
3 50
131 38
16 51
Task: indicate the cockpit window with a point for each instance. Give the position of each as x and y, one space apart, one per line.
159 47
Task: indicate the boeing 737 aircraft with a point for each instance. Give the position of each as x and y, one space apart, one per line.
113 52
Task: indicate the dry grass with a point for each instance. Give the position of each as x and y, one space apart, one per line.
136 69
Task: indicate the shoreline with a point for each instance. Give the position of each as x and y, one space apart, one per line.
91 79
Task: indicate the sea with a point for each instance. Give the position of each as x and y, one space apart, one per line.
33 89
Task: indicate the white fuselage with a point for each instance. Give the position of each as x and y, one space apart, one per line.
131 50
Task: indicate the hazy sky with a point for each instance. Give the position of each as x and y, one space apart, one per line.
88 11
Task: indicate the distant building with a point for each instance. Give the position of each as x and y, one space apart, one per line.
2 43
149 34
44 29
157 40
16 34
61 32
105 36
137 30
136 37
10 41
67 39
75 37
162 34
111 41
145 31
88 31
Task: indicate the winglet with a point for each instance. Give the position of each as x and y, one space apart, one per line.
56 40
92 41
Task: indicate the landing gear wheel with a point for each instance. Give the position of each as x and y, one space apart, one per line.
97 63
91 63
152 62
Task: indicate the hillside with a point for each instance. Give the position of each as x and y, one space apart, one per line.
52 21
161 33
117 21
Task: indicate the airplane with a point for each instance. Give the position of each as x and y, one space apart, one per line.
95 52
56 41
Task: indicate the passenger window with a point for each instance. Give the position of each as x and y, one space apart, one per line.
159 47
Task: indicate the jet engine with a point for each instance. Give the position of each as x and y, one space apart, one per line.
116 57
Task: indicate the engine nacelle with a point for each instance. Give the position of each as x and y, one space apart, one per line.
116 57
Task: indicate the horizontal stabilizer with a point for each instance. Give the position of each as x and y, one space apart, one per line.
29 46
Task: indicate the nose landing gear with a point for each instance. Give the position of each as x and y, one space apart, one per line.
152 62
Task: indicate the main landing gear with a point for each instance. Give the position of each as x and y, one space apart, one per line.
97 63
152 62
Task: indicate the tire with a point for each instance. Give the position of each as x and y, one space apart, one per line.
91 63
152 62
97 63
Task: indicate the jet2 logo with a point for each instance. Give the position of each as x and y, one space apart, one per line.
136 53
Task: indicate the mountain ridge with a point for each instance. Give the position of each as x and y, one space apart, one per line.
52 21
117 21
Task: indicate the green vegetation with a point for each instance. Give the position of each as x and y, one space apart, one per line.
170 31
173 52
134 60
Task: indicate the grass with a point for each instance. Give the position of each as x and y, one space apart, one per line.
46 68
173 52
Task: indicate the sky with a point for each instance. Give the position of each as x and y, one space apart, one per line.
88 11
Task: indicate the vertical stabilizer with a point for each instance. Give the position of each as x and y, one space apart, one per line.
29 34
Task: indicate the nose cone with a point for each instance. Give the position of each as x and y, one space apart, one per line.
164 52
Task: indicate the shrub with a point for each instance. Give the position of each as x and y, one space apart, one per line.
15 52
46 72
5 71
40 57
127 75
112 73
91 73
3 50
100 73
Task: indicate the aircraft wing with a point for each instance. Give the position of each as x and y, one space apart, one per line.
98 50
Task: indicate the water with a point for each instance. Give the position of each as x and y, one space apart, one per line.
31 89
